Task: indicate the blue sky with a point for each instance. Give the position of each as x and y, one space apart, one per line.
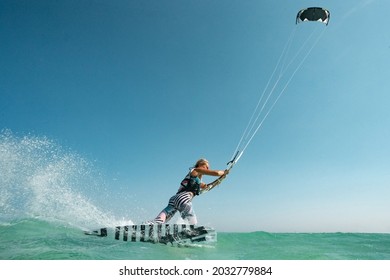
144 88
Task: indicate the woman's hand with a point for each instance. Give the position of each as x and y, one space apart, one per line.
223 172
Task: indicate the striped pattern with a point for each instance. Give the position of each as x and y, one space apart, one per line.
180 199
158 233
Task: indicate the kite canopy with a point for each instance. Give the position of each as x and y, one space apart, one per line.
313 14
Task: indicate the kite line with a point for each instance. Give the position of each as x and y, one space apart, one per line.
273 90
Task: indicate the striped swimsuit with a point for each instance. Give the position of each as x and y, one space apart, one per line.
182 202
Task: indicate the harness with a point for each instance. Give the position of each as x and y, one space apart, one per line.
190 184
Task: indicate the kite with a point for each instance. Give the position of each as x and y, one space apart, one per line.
313 14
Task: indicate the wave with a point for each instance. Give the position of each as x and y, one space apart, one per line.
42 180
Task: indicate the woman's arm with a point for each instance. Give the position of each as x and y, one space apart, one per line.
204 171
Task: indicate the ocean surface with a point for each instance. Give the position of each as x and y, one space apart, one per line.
44 212
33 239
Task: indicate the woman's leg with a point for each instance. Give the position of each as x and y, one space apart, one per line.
165 215
187 213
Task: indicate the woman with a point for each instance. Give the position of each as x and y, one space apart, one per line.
189 187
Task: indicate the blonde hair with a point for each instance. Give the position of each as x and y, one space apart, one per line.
201 162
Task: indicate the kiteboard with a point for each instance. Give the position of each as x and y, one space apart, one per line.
158 233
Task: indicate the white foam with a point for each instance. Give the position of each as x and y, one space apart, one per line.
40 179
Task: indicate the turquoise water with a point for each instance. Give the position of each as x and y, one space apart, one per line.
33 239
46 202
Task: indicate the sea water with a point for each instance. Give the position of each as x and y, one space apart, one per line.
32 239
43 215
